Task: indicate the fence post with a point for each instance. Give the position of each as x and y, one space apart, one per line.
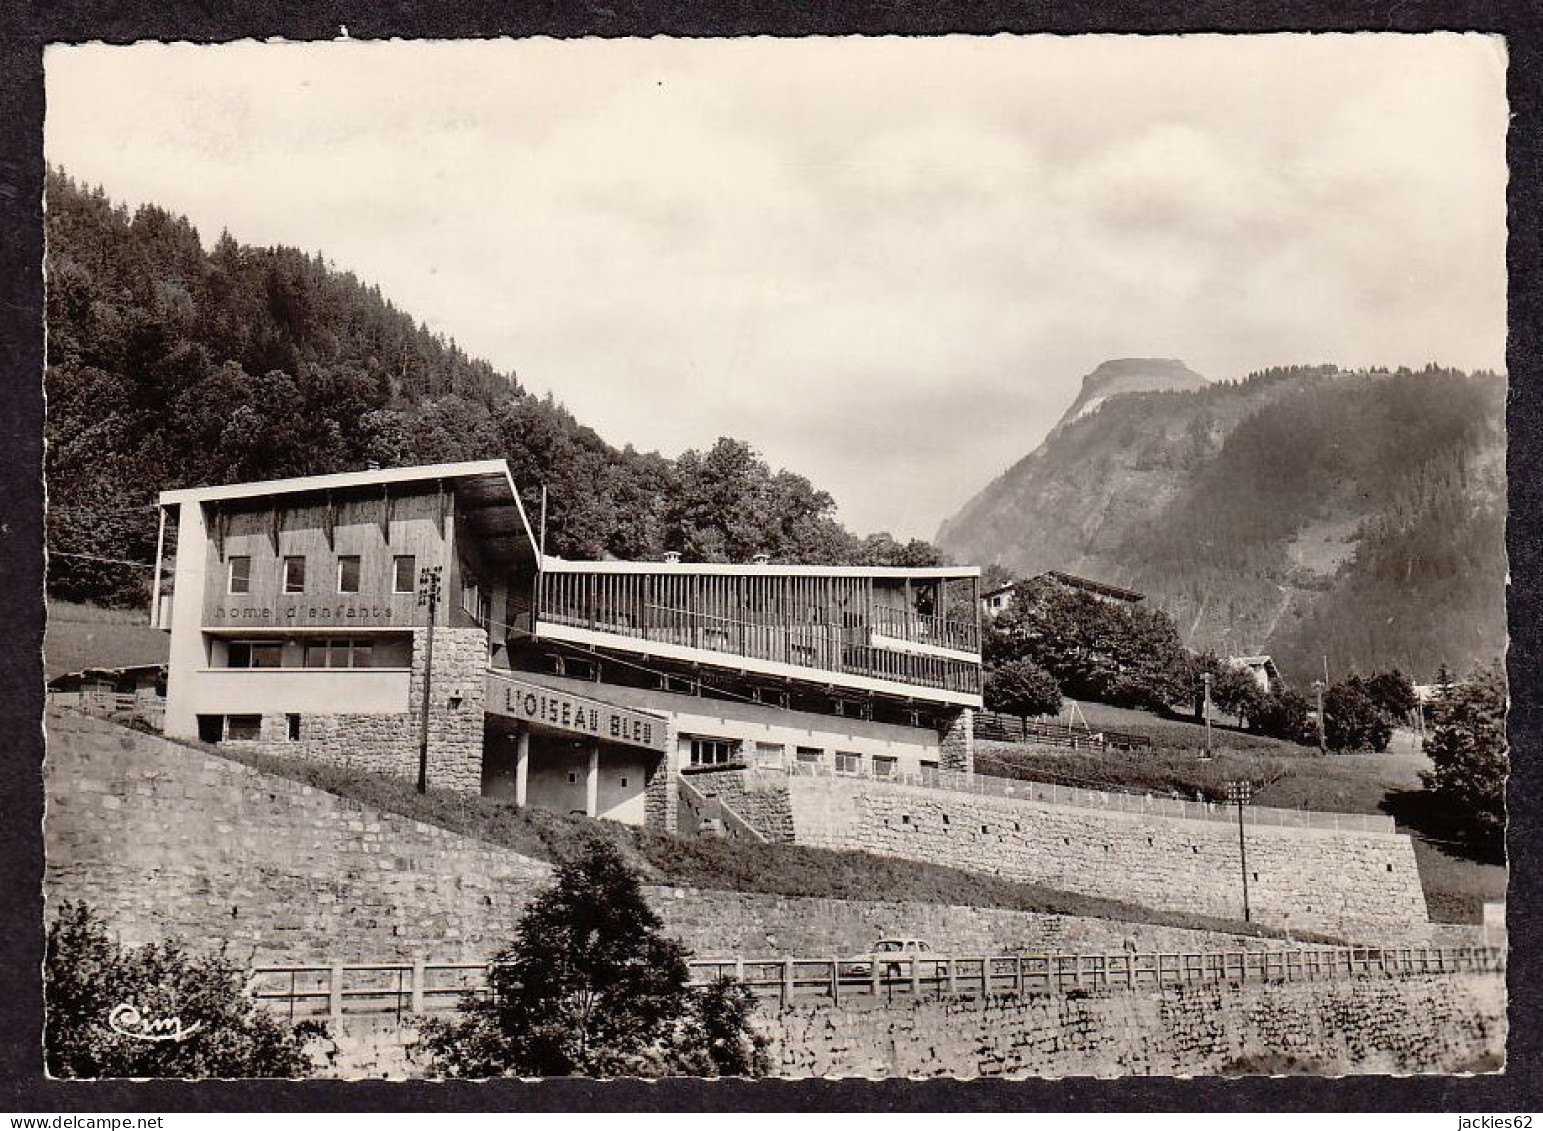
787 980
873 974
418 978
335 992
953 975
916 977
835 980
1018 975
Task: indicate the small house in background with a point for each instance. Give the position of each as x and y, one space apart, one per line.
993 601
998 600
136 691
1262 668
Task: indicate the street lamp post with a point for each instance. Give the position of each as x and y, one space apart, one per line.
428 595
1240 793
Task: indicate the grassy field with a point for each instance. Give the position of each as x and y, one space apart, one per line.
772 869
1180 733
86 636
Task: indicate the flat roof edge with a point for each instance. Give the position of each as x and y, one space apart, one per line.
745 569
341 479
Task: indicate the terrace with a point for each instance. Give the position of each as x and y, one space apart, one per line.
912 627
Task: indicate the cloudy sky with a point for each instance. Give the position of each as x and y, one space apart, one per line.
886 263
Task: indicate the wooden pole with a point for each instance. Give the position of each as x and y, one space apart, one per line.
155 585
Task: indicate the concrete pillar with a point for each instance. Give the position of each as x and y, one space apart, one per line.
521 766
592 782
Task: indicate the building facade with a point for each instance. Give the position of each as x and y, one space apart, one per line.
300 625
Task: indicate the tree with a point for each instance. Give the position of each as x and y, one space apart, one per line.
1023 688
1236 691
591 986
1094 649
1283 714
1393 691
1467 749
1353 720
91 981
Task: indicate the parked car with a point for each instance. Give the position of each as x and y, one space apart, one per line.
894 958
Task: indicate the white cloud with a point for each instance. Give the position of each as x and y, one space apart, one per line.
884 262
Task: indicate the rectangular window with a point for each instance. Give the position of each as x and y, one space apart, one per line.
240 574
711 751
348 573
294 574
770 753
848 763
404 573
883 767
294 727
244 728
211 728
254 654
811 755
340 652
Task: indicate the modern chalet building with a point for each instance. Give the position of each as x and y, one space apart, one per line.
297 627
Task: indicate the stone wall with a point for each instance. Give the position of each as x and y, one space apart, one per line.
753 925
387 743
758 796
171 842
956 742
1364 887
1363 1025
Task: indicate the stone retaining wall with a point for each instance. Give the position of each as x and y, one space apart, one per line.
1421 1024
170 842
1361 886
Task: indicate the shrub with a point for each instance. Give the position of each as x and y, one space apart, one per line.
90 979
591 986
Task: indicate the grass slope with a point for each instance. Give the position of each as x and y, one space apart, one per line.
87 636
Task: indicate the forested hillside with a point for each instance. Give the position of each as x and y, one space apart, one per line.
1303 512
172 366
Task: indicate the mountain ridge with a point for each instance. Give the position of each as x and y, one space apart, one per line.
1305 511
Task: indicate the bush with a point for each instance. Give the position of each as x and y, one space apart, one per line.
90 980
1283 714
591 986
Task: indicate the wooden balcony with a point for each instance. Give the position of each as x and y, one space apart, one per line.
841 624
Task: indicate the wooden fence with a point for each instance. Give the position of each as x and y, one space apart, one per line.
404 989
1010 728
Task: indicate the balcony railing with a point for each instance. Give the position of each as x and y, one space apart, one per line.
800 625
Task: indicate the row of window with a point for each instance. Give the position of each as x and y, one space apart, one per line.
404 573
725 751
321 652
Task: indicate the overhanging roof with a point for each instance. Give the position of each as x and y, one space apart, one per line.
484 493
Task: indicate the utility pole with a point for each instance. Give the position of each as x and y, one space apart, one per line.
1318 692
428 594
1240 793
1206 712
